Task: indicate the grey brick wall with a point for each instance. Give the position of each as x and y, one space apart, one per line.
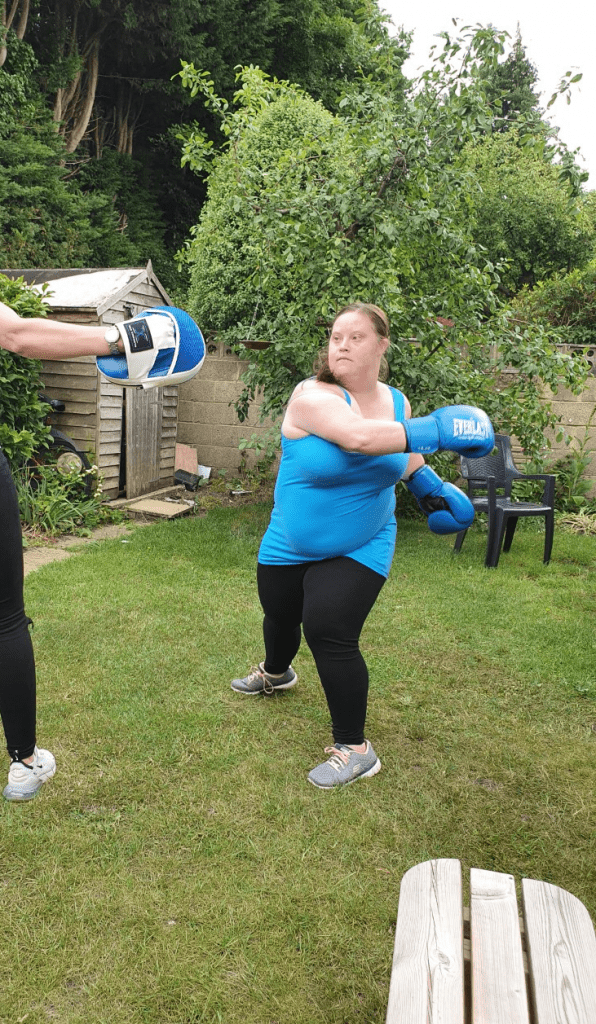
207 419
578 416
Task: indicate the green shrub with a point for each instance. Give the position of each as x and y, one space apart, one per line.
53 502
566 302
22 415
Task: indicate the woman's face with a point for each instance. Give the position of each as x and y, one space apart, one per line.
354 344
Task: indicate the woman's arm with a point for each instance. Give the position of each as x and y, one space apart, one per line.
329 416
49 339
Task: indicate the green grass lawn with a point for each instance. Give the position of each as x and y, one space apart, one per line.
180 869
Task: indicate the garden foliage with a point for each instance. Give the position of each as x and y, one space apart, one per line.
22 415
522 213
566 302
44 220
308 210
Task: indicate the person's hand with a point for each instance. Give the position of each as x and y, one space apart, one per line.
141 334
447 508
454 428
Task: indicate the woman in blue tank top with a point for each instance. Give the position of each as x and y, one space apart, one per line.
347 440
330 542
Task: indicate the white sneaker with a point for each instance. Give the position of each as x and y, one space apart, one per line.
25 779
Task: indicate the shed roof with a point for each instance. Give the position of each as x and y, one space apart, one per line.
89 289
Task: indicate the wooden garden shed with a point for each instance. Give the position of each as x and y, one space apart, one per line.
130 433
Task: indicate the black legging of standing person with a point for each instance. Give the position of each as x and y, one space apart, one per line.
17 664
331 599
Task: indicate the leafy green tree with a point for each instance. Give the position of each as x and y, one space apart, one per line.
566 302
308 210
105 69
510 89
44 220
108 64
15 17
22 415
131 226
522 211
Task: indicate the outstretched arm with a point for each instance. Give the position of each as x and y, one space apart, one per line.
49 339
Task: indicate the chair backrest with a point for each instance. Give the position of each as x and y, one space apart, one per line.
499 464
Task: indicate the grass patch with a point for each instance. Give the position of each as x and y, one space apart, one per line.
179 868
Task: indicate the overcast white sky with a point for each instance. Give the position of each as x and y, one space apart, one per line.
557 37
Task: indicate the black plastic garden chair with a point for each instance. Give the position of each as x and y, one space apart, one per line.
489 481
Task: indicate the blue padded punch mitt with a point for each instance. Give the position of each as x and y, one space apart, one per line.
162 345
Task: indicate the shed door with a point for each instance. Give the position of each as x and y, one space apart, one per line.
144 413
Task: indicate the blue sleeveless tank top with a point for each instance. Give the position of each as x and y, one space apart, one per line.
329 502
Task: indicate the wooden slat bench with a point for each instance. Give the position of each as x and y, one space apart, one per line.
489 966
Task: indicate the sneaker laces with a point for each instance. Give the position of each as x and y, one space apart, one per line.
258 673
339 758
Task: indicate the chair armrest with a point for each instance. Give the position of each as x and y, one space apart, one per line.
548 495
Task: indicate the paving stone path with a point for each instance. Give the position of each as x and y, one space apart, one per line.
35 557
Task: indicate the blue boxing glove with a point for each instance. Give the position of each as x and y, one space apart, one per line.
454 428
449 510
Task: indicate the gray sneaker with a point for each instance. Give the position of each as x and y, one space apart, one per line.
259 681
24 780
344 766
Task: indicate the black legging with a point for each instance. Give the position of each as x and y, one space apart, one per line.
17 665
332 600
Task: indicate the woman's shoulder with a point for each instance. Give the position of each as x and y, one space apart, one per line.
313 387
311 400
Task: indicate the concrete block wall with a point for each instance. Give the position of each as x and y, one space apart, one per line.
207 419
578 417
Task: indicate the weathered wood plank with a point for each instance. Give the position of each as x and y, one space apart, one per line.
75 426
107 388
109 463
76 409
84 435
111 425
85 365
111 403
69 388
562 954
498 979
143 430
427 985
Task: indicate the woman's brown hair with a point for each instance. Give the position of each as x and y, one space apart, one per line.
379 321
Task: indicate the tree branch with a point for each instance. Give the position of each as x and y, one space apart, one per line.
83 115
7 20
22 25
5 24
399 161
